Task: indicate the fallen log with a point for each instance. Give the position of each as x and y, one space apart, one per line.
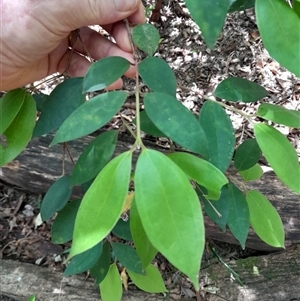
39 166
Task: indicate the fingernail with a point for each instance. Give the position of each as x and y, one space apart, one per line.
125 5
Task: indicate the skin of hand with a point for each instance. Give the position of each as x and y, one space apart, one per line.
35 37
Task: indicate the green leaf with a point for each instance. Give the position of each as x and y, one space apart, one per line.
210 17
100 269
265 220
104 72
176 121
238 218
247 155
62 101
163 193
158 75
239 5
144 247
111 286
148 126
56 197
128 257
217 211
201 171
63 225
252 174
279 115
103 202
296 7
146 37
84 261
240 89
122 230
31 298
10 105
94 157
280 154
16 137
90 116
151 282
40 100
219 133
281 33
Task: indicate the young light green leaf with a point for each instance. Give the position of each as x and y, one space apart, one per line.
247 155
100 269
104 72
90 116
252 174
10 105
63 225
56 197
158 75
84 261
280 154
31 298
151 282
102 204
128 257
219 133
163 193
281 33
94 157
210 17
146 37
176 121
16 137
239 218
265 220
201 171
62 101
122 230
217 211
144 247
279 114
240 89
111 286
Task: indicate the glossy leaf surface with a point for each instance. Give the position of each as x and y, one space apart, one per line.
280 154
265 220
176 121
102 205
151 282
94 157
158 75
201 171
90 116
104 72
252 174
240 89
164 193
219 133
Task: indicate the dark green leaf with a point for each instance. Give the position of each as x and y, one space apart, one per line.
247 155
219 133
252 174
62 101
56 197
63 225
122 230
210 17
148 126
280 33
84 261
176 121
40 100
100 269
239 218
239 89
128 257
239 5
146 37
280 154
90 116
158 75
94 157
296 7
279 114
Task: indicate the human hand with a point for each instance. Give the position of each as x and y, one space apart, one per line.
35 44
